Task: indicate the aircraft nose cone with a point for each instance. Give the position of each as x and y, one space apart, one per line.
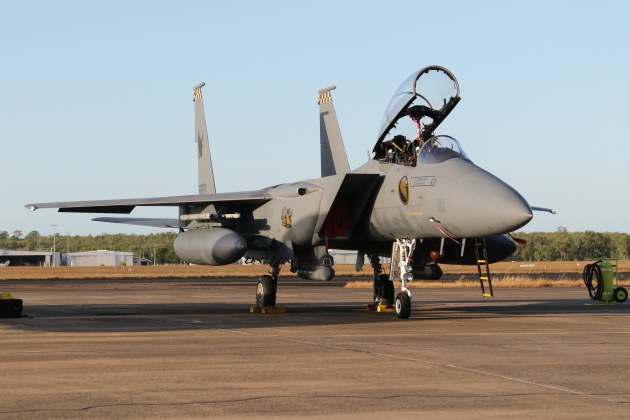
484 205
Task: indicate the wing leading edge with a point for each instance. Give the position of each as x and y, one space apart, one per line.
126 206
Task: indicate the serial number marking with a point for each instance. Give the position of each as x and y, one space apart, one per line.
422 181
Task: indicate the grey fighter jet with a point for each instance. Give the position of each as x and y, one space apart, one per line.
419 200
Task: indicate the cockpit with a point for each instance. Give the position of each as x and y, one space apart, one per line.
417 108
439 149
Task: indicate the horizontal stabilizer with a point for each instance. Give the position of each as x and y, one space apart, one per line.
125 206
161 223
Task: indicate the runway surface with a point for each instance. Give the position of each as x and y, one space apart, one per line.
189 348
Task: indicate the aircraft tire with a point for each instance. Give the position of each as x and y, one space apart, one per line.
620 294
403 305
387 291
265 292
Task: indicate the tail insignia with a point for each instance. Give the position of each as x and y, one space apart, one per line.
324 98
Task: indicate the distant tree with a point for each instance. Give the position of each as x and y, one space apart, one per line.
17 234
31 240
32 234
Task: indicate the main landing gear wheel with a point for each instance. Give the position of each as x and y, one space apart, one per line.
620 294
265 292
383 291
403 305
386 290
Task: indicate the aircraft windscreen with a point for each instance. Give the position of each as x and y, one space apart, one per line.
439 149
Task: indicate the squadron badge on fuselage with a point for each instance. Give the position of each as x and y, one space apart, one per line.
403 190
286 217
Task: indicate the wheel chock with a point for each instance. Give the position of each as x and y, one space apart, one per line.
267 310
372 307
9 307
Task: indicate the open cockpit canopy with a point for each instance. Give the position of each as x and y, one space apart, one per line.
424 99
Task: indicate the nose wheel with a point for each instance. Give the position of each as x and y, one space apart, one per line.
403 305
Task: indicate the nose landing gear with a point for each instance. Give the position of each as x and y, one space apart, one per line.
402 250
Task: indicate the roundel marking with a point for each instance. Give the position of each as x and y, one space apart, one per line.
403 190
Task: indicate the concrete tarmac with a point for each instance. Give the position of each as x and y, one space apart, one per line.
189 348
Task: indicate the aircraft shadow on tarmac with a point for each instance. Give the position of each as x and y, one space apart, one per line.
113 318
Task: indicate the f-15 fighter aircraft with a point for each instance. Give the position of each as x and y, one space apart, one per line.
419 200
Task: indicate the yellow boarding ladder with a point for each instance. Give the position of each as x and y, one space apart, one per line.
481 256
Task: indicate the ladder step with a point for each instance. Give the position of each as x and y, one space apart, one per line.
481 261
483 278
487 295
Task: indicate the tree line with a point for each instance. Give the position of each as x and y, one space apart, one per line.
560 245
563 245
158 246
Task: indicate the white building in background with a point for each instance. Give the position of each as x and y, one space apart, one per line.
29 258
98 258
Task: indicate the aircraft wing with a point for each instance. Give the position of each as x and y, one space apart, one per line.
125 206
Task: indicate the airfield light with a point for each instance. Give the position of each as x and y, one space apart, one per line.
54 263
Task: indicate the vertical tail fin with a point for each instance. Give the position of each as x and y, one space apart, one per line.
206 175
333 152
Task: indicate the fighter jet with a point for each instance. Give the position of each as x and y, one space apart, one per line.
419 200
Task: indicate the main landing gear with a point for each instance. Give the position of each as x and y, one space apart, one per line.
383 293
266 292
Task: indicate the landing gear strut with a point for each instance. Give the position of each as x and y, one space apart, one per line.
401 266
267 287
383 293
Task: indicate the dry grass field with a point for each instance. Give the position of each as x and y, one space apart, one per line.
506 274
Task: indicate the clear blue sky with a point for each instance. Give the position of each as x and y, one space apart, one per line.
96 102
